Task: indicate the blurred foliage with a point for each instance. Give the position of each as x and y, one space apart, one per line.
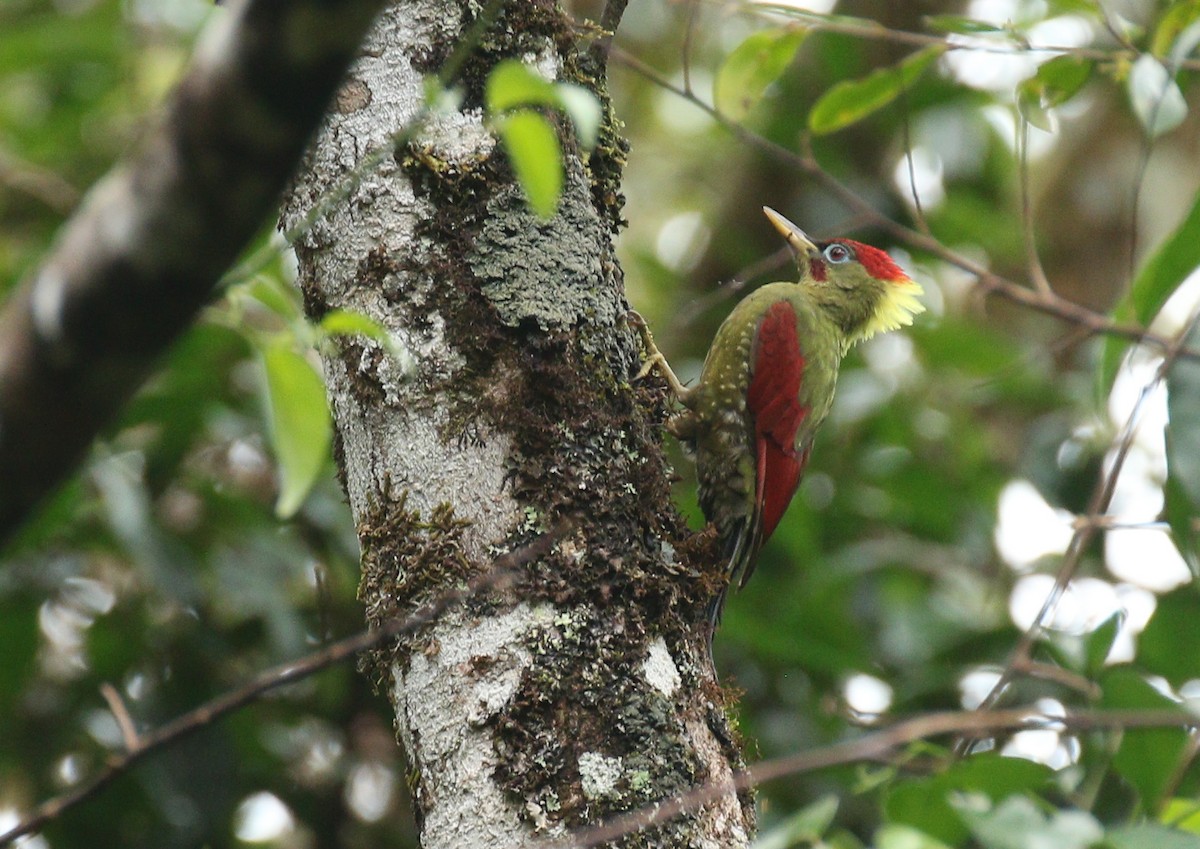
926 536
162 569
514 90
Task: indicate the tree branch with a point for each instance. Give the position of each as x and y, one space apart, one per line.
143 253
1007 43
873 747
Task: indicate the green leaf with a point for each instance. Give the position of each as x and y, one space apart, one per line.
300 424
1157 280
805 826
1030 105
1055 82
1017 823
749 70
1062 77
852 100
532 147
1187 42
1171 26
269 291
19 636
347 323
1099 643
1073 7
1150 836
893 836
1181 512
1182 814
583 109
1182 490
1148 757
925 803
512 83
1155 97
961 25
1170 643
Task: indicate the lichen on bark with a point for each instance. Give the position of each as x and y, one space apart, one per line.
533 710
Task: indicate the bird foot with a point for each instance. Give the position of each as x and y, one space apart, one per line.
655 361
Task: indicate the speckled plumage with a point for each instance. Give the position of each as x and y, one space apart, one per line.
721 425
768 383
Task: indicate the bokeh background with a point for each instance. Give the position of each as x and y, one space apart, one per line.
941 497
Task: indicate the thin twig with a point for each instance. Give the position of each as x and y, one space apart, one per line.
868 29
697 306
37 182
1186 759
499 576
906 140
121 714
610 19
1036 272
689 32
1144 151
1147 148
1111 523
1061 676
1111 25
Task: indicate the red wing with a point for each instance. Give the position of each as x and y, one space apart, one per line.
774 402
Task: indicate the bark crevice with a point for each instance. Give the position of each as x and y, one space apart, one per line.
531 712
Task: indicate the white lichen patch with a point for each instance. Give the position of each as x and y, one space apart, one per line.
660 670
459 137
456 760
492 694
599 774
546 63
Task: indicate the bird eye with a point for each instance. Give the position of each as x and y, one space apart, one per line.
837 253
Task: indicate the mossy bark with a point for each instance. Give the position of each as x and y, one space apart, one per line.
503 406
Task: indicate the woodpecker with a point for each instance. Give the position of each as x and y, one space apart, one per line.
768 382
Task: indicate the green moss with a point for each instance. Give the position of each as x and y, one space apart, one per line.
407 561
605 164
574 700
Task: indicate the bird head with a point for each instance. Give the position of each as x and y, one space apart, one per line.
861 287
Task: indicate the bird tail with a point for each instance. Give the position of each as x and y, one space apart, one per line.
741 552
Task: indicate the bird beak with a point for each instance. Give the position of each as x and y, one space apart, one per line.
796 238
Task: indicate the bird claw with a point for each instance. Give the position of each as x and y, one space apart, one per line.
635 318
655 359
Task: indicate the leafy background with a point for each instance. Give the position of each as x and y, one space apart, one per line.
206 539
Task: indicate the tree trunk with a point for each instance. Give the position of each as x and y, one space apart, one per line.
502 407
